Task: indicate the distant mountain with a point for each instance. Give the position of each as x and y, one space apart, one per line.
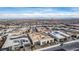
38 16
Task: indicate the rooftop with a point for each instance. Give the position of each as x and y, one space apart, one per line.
10 40
57 35
39 36
63 33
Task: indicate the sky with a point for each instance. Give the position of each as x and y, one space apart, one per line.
39 12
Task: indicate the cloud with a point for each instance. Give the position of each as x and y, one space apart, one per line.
41 13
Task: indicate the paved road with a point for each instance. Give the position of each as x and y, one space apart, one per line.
69 46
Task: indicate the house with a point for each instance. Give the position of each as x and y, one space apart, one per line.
67 36
40 38
58 37
43 29
16 41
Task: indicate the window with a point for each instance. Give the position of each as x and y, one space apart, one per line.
61 40
25 40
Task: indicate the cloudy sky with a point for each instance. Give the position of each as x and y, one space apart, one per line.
39 12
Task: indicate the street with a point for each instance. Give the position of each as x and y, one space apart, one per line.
68 46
